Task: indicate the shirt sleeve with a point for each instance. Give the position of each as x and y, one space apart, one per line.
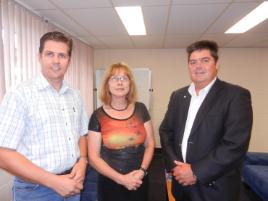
144 113
84 120
94 124
13 112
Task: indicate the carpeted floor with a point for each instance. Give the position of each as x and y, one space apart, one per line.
158 187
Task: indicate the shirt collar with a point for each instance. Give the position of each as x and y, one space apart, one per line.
43 84
205 90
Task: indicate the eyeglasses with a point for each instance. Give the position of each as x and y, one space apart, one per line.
117 78
204 60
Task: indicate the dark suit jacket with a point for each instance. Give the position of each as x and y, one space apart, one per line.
217 143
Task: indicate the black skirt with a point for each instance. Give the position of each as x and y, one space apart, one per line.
124 161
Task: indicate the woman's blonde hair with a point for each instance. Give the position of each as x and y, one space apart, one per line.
105 95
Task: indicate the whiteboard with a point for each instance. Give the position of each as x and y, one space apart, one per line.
142 78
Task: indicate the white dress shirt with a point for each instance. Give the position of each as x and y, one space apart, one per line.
196 101
42 124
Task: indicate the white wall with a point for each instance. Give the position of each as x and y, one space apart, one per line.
5 186
246 67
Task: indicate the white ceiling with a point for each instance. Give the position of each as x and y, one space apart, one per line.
169 23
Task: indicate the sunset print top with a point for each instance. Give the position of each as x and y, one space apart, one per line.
120 133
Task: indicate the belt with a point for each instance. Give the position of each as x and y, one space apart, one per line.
65 172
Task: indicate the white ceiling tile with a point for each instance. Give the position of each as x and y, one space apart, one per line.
260 28
180 40
256 1
199 1
263 43
93 42
182 19
140 2
82 3
64 21
220 38
247 40
99 21
231 16
118 41
44 4
155 19
149 41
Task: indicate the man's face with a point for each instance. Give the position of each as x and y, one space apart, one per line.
54 60
202 68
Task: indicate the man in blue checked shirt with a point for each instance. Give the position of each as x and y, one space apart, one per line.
42 130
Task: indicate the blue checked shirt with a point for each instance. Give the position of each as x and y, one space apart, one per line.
43 125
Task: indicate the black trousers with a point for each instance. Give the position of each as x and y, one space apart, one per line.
108 190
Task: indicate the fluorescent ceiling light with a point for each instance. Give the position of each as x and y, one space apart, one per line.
255 17
132 19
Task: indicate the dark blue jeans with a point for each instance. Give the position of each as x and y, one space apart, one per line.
25 191
89 192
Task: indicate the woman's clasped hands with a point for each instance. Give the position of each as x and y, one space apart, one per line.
132 180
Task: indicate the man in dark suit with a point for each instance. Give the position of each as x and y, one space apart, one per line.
206 131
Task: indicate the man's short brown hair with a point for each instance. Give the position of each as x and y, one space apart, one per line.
56 36
210 45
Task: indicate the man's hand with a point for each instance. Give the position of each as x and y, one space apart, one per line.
79 170
70 184
183 173
65 185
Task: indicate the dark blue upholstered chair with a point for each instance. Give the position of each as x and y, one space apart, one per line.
255 173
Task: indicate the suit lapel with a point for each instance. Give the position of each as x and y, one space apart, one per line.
206 106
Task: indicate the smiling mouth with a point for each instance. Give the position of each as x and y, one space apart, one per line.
55 68
199 73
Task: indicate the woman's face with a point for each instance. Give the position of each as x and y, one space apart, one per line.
119 84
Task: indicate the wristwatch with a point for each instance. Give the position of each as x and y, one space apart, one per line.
144 171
